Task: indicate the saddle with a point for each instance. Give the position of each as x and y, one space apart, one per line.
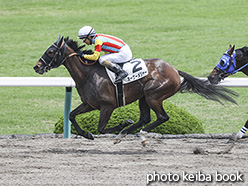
136 70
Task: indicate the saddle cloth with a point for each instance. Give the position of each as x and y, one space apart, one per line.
135 68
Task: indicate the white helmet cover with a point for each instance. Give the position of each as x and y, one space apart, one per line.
85 32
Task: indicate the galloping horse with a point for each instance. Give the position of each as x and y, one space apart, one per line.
232 61
97 91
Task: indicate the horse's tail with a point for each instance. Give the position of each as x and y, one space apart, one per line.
204 88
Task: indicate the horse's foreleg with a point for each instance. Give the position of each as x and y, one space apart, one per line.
119 127
124 133
105 114
79 110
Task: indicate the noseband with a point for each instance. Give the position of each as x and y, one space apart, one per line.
222 75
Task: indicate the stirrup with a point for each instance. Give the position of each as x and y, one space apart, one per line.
120 78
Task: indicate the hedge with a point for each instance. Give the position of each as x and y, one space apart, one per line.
180 122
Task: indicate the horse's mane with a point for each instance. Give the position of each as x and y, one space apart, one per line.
75 46
244 50
242 53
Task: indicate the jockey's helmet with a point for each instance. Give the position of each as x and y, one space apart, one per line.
86 31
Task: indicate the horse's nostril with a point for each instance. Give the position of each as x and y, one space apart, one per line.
36 68
212 80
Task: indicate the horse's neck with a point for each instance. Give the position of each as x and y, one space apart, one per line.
78 71
242 59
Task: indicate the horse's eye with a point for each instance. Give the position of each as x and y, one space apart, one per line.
222 62
50 52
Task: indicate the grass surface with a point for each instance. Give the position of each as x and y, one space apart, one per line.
191 35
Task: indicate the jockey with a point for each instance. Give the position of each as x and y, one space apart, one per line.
116 50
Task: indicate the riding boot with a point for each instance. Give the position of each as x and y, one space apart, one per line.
120 73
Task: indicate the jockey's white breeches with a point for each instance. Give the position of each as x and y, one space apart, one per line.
124 55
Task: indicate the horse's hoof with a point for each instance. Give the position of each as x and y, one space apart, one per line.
89 136
119 137
142 137
144 143
233 138
238 136
117 141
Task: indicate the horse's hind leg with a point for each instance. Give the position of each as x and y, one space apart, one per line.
162 117
145 118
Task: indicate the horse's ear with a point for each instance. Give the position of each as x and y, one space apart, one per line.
231 50
230 46
58 40
61 40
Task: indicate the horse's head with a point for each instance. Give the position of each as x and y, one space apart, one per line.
225 67
52 58
55 55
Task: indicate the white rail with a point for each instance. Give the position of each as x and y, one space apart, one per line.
36 82
46 82
234 82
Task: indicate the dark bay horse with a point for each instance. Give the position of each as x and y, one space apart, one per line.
97 91
232 61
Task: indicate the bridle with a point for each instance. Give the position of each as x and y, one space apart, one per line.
55 61
232 61
59 57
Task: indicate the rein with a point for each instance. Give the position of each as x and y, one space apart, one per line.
237 70
85 63
76 54
62 53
